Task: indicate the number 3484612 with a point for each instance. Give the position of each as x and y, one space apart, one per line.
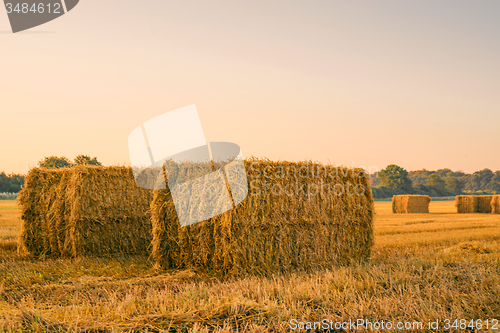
35 8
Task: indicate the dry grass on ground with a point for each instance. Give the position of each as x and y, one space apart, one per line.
424 266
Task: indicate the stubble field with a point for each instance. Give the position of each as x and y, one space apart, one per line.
423 267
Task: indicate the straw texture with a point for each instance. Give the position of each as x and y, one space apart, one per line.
295 218
477 203
84 210
408 204
495 204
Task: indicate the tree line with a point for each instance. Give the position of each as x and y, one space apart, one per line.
13 183
441 183
388 182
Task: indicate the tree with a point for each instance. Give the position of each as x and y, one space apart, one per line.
86 160
419 176
4 183
494 184
11 183
454 184
395 177
436 182
444 173
480 179
54 162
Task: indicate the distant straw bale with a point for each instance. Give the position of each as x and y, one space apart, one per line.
297 217
408 204
495 204
476 203
484 203
466 203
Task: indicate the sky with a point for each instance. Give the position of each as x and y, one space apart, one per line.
356 83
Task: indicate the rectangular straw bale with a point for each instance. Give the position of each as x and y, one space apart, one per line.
484 203
56 215
475 203
84 210
495 204
466 203
106 213
314 225
35 199
409 204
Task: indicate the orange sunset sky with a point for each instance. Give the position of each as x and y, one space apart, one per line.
364 83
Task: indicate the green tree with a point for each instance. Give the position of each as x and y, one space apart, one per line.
444 173
436 182
54 162
4 183
86 160
494 184
454 184
480 179
395 177
419 176
11 183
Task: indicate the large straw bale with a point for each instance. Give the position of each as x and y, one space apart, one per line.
56 215
85 210
108 213
313 226
408 204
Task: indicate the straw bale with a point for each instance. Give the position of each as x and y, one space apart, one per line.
35 199
108 213
314 225
466 203
409 204
484 203
475 203
495 204
85 210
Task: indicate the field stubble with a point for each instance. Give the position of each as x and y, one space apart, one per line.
424 266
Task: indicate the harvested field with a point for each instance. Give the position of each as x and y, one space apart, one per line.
439 265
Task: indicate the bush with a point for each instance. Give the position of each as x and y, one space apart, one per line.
8 196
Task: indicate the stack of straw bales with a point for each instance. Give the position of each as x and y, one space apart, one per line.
407 204
85 210
478 204
295 218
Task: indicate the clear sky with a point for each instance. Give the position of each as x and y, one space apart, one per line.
364 83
